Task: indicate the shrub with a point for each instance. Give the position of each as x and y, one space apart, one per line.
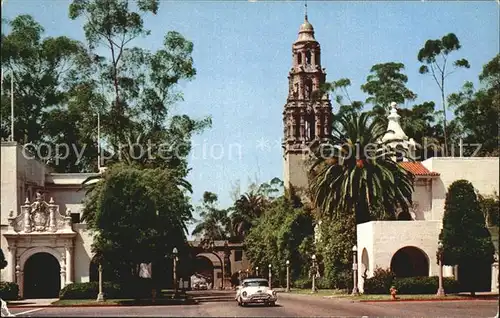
380 283
89 290
9 291
302 283
425 285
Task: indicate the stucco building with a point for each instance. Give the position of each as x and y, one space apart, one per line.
45 243
408 246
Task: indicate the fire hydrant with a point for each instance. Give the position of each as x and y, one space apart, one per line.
393 292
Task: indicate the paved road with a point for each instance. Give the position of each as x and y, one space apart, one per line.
288 306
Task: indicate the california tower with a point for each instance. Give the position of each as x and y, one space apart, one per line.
307 116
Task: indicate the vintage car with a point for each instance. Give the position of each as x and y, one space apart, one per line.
255 291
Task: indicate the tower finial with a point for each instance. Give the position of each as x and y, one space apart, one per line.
305 5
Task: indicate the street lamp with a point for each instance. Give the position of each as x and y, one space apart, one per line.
355 290
257 271
270 276
100 296
440 291
313 273
287 276
174 252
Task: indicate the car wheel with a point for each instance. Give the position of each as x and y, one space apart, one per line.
272 304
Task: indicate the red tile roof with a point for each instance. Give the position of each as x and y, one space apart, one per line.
418 169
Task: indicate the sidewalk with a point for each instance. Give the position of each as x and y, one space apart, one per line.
31 302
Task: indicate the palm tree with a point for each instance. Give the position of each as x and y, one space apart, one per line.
246 210
354 172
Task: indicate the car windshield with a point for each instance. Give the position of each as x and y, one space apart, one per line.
256 283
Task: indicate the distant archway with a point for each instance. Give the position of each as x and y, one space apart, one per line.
410 261
42 276
209 266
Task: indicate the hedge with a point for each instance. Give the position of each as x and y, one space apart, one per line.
138 288
425 285
410 285
9 291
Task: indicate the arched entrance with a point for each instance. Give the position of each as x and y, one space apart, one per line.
410 261
209 266
42 276
204 268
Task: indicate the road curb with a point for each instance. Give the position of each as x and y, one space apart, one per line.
421 300
193 302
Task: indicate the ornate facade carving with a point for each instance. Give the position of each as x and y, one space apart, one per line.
40 217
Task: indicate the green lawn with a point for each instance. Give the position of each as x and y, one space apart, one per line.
120 302
88 302
339 294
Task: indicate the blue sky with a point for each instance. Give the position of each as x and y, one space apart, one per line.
242 52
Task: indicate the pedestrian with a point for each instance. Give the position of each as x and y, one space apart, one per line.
4 310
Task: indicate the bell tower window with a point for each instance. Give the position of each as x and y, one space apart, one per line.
308 57
308 88
317 58
299 58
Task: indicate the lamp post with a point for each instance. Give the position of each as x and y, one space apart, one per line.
174 252
270 276
287 276
355 290
440 291
100 296
257 271
313 273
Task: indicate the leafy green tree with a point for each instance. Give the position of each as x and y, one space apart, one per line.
466 240
386 84
340 89
215 223
47 74
434 57
354 173
337 237
143 84
281 233
490 206
477 111
3 261
140 215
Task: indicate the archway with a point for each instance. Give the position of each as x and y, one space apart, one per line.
365 263
42 276
410 261
204 268
209 266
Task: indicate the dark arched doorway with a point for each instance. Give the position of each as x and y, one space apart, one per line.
42 276
203 267
410 262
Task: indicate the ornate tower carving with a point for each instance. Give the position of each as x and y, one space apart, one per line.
307 116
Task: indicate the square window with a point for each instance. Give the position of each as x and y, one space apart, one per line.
238 255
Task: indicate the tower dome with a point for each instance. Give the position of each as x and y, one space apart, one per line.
306 31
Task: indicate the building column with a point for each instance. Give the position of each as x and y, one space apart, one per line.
302 126
69 264
13 257
20 280
494 277
63 272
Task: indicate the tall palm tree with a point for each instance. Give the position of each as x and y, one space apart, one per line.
354 172
246 210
